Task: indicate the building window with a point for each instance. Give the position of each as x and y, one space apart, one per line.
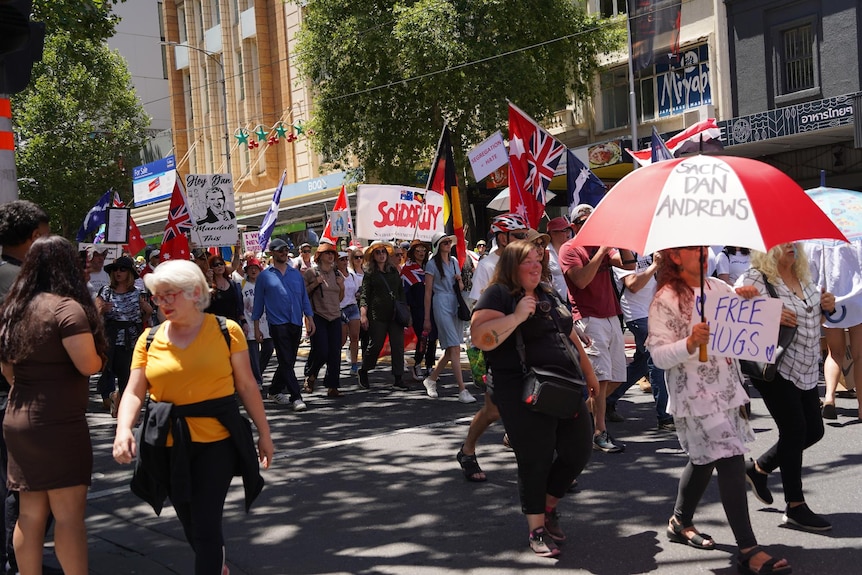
240 88
181 23
610 8
216 13
160 11
798 56
615 98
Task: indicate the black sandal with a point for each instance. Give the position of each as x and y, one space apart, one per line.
768 567
470 466
698 540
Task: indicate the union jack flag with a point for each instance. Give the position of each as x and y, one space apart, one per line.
412 273
118 203
533 158
179 219
544 155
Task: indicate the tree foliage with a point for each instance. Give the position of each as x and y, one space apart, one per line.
82 19
79 123
387 73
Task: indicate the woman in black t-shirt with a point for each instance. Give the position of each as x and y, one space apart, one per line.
551 452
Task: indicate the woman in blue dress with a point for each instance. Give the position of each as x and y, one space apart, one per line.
442 278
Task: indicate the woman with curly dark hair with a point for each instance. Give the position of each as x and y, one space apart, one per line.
225 295
51 341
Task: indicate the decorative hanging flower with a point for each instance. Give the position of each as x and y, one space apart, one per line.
291 137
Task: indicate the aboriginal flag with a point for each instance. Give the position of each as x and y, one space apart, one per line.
443 181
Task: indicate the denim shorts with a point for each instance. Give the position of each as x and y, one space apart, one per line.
349 313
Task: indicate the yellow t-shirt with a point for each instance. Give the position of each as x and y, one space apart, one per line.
199 372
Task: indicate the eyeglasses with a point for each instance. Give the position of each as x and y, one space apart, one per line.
446 242
165 298
541 243
519 235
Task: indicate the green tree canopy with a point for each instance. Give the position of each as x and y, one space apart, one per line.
79 123
82 19
387 73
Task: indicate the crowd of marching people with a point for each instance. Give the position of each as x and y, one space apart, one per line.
526 304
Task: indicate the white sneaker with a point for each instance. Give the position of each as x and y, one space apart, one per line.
430 387
299 405
466 397
279 398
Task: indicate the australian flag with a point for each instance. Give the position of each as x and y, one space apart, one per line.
583 186
96 216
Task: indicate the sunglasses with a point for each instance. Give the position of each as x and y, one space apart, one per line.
218 264
580 222
357 257
165 298
279 251
519 235
306 251
378 252
343 258
446 242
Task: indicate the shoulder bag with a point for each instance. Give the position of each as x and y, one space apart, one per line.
766 371
401 312
463 309
553 390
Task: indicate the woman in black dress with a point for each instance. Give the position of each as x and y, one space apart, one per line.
51 341
225 295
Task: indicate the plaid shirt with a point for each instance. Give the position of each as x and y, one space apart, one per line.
801 360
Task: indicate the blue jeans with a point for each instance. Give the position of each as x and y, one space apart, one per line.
640 366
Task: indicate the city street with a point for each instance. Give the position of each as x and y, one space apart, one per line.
368 484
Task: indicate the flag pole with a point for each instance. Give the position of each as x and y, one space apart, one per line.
428 182
633 112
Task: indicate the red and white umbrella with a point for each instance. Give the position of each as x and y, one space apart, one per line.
705 200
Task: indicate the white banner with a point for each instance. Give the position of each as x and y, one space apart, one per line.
741 328
212 208
251 242
395 212
487 156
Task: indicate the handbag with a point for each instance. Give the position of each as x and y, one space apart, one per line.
552 390
463 310
766 371
401 311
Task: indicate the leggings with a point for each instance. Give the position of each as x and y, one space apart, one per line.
212 468
536 438
797 415
731 489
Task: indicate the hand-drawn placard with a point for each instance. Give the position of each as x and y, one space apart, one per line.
741 328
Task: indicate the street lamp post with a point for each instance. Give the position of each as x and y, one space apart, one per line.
212 55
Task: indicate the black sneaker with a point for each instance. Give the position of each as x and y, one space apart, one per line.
363 379
542 544
612 415
802 517
758 482
552 526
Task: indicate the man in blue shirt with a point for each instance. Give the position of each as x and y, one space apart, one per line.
280 290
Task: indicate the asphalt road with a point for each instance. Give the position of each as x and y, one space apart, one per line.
368 484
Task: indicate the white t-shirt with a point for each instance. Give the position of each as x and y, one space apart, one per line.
98 280
247 288
558 279
635 305
351 286
483 274
734 265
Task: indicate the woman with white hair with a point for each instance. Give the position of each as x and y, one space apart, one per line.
192 365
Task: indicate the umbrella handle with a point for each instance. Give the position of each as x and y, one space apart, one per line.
703 357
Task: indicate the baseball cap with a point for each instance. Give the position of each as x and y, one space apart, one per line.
558 224
276 245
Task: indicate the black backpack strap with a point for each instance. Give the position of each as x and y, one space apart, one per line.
222 325
152 335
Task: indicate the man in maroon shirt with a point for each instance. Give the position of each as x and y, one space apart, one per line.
587 271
